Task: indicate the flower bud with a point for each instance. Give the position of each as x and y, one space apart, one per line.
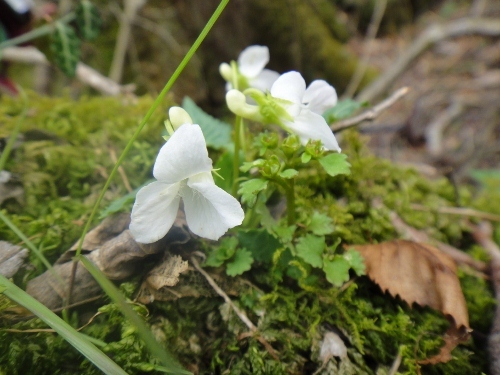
315 149
226 72
290 145
237 103
271 167
269 140
178 116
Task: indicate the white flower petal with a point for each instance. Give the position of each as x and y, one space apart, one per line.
210 211
264 81
309 125
290 86
185 154
320 96
252 60
154 211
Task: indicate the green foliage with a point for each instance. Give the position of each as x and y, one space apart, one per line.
241 262
320 224
217 133
66 48
310 248
335 164
344 109
236 259
88 20
249 190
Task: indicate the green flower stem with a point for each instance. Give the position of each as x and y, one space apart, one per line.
15 132
289 187
236 159
146 118
290 202
38 32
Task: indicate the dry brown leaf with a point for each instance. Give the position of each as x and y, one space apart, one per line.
421 274
452 338
11 258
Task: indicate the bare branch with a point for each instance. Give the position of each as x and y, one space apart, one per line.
378 13
370 114
433 34
87 75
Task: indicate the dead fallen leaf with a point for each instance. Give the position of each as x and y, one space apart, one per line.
11 258
452 338
165 274
421 274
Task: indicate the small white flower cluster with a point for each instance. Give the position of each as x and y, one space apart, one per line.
297 109
183 171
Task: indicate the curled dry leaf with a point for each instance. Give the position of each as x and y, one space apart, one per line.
165 274
421 274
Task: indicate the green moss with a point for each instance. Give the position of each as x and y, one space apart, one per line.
63 163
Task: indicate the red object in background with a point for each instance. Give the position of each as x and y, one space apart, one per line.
15 17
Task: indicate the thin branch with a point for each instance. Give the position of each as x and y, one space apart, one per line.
87 75
378 14
483 235
433 34
220 292
122 40
121 171
459 211
372 113
434 131
241 314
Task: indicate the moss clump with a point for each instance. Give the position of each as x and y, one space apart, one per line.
63 163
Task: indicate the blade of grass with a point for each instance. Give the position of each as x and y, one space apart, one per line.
31 246
143 330
76 339
150 112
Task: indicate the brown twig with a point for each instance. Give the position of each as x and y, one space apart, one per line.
434 131
433 34
378 13
483 235
220 292
372 113
87 75
121 171
241 314
458 211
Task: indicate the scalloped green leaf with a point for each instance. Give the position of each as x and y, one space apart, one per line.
335 164
88 20
250 189
241 262
66 47
310 248
217 133
336 270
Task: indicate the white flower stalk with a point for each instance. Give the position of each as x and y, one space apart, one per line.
290 105
183 171
249 70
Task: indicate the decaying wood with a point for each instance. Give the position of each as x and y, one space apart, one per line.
433 34
113 250
483 235
11 258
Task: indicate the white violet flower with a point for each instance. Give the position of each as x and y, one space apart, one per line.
183 171
250 66
292 106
